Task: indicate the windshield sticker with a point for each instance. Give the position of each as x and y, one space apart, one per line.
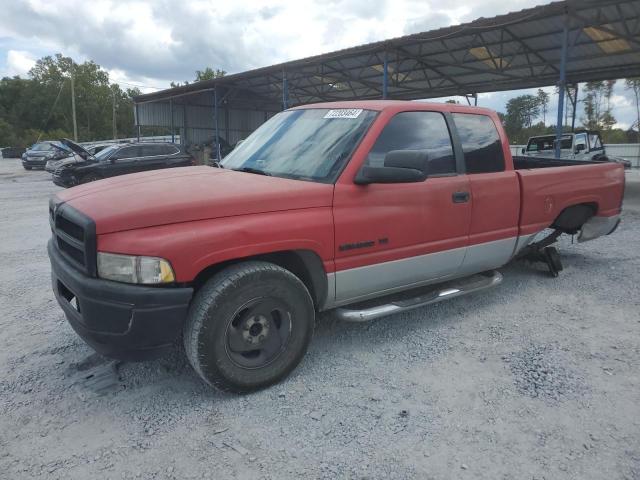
344 113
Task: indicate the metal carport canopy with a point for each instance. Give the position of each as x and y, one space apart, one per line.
507 52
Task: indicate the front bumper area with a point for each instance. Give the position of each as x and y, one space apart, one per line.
34 162
65 180
126 322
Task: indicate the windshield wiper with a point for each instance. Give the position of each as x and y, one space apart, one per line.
257 171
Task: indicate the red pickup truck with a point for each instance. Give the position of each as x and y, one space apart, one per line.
367 208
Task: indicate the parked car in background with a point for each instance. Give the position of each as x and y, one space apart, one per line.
92 150
115 160
11 152
40 153
582 145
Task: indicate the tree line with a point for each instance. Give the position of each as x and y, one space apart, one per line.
39 107
526 115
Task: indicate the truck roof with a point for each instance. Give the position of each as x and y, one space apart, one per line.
399 106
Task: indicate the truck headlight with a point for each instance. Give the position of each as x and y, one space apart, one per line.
134 269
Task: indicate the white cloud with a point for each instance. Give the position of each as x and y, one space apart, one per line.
19 62
148 43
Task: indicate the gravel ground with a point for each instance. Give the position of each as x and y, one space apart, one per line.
535 379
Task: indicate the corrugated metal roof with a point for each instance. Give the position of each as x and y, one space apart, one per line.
516 50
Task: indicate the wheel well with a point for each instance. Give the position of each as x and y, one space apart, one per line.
304 264
572 218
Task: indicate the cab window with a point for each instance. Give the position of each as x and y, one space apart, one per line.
581 142
595 142
417 131
481 143
128 152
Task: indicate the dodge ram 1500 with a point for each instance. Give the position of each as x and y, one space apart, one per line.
367 208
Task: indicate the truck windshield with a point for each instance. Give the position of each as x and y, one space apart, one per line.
307 144
42 147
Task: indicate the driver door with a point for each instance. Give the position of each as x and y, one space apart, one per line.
392 236
124 161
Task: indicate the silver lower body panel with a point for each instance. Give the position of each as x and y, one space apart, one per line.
372 281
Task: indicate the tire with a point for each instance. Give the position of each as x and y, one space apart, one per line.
90 177
249 326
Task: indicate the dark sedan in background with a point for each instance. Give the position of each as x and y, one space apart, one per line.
116 160
11 152
40 153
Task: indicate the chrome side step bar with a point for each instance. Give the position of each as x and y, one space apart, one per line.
445 291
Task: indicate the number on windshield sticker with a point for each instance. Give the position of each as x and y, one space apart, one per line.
344 113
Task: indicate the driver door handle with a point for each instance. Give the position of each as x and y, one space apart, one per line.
460 197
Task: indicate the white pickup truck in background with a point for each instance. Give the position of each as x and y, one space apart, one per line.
582 145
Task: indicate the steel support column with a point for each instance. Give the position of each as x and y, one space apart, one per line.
173 132
575 107
215 123
562 85
137 123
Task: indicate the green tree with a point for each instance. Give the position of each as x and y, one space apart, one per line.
633 84
543 102
39 107
597 105
207 74
521 111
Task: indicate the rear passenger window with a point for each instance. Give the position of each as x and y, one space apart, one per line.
416 131
152 150
480 143
129 152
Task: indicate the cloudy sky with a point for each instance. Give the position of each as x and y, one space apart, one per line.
152 42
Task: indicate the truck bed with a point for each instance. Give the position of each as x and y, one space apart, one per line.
548 186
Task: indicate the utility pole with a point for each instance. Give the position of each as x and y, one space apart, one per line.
73 107
115 129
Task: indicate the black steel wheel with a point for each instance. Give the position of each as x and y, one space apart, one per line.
258 332
249 326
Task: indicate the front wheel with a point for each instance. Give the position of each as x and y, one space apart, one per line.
249 326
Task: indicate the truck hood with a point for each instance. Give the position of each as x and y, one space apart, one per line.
188 194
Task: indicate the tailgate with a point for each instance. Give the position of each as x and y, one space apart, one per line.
546 192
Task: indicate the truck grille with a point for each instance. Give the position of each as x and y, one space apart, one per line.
74 235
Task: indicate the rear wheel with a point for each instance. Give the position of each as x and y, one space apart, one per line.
249 326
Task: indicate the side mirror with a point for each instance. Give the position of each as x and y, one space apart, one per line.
400 166
523 150
580 147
